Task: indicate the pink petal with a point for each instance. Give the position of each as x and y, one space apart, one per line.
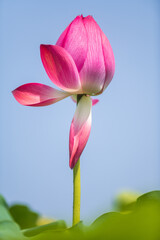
80 129
93 72
108 60
60 68
74 40
94 101
36 94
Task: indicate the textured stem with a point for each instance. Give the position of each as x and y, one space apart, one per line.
76 193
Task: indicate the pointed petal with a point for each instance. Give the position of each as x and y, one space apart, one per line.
108 60
74 40
60 67
80 129
36 94
94 101
93 72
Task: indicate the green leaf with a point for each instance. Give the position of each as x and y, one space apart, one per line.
58 226
73 233
9 230
24 216
77 231
107 217
125 201
150 197
4 212
142 223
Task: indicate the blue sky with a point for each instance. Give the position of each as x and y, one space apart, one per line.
123 149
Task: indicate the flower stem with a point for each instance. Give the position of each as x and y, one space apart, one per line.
76 186
76 193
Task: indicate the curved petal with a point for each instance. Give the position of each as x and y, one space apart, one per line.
80 129
74 40
36 95
60 68
94 101
93 72
108 60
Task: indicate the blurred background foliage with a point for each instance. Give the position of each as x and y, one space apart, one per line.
138 219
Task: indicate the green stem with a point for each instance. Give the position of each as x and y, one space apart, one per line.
76 187
76 193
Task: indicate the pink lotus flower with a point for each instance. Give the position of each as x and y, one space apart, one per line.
80 64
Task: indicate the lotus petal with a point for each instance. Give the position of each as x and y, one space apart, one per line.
60 68
80 129
37 94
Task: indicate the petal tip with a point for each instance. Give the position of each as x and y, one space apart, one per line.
94 101
71 165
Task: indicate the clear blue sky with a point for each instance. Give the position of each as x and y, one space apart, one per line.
123 150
